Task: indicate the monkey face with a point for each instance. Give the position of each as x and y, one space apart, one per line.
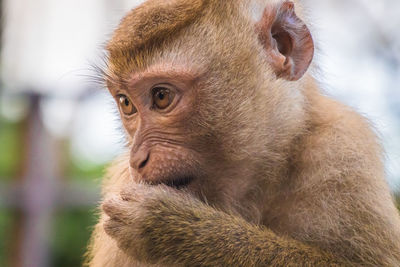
156 107
200 102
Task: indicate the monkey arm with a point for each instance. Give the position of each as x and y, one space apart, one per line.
200 235
170 228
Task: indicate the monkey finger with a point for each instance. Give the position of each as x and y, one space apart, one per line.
127 194
132 188
109 206
113 228
115 209
123 211
138 192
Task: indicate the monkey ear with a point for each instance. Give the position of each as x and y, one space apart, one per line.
286 40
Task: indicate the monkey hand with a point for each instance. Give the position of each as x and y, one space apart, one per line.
161 225
141 216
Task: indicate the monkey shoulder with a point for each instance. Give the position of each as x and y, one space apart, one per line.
337 195
338 134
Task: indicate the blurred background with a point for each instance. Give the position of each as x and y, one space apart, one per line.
59 129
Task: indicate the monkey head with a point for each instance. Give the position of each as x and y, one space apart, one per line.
208 91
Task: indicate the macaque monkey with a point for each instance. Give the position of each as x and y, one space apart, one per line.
235 157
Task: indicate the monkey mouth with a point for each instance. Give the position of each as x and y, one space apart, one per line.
179 183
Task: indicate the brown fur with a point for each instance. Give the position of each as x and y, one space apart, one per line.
148 27
288 176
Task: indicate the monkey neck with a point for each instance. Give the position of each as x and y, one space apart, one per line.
278 171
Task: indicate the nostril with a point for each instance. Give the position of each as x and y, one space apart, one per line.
139 159
144 162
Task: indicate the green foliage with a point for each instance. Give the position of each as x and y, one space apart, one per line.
82 171
11 147
5 235
87 173
71 236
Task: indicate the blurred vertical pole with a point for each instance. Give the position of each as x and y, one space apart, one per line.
1 23
39 185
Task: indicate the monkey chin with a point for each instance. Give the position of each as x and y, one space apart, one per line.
177 181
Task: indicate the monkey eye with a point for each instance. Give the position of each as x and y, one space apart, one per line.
162 97
126 105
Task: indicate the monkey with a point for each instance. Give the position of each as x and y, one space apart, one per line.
235 156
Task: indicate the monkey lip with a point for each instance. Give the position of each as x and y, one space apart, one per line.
179 183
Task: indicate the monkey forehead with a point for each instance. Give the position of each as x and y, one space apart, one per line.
151 24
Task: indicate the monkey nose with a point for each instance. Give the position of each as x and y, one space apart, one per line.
139 159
